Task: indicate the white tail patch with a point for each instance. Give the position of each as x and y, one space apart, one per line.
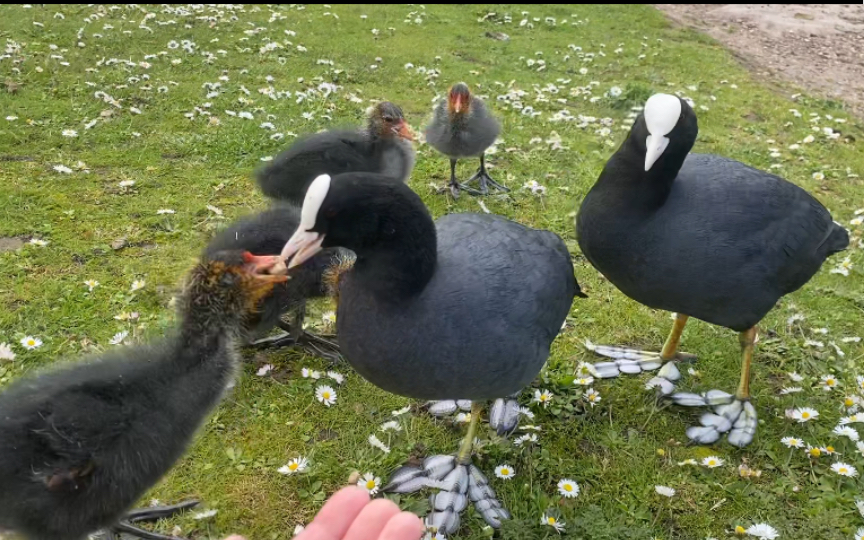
661 114
315 196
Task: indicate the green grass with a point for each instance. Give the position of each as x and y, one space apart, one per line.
617 450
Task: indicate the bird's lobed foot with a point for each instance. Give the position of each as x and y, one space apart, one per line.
729 415
311 343
634 361
484 181
503 416
155 513
458 484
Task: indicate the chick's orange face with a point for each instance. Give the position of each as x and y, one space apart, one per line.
459 99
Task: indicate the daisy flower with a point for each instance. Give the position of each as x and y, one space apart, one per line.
206 514
403 410
859 504
265 369
462 418
325 395
853 419
712 462
792 442
126 183
526 412
376 442
527 438
392 425
690 461
308 373
593 396
504 472
847 431
786 390
568 488
163 211
370 483
6 352
553 522
38 242
851 402
665 491
804 414
329 318
296 465
859 535
118 338
796 377
137 285
30 342
814 451
62 169
542 397
70 133
584 381
859 380
91 284
336 376
763 531
584 369
829 382
844 469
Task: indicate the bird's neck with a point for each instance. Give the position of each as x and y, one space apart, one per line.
625 175
206 330
401 266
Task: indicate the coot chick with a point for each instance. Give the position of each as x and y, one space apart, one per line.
462 127
266 233
413 322
703 236
80 445
383 147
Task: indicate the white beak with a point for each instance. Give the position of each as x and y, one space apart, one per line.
303 245
654 149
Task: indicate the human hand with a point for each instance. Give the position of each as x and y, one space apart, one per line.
350 515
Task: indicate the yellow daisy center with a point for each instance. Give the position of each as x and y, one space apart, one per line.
805 415
31 342
830 382
740 530
551 520
370 484
849 402
505 472
568 487
712 462
815 452
326 395
843 470
294 466
830 448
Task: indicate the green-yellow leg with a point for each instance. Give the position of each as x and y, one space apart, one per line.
748 341
670 348
464 455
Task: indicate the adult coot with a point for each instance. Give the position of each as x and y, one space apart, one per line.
414 322
266 233
462 127
383 147
79 445
703 236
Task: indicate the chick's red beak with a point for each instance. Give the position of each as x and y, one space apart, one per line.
269 268
404 130
456 103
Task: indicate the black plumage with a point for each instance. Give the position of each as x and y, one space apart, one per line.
465 307
384 147
81 444
698 234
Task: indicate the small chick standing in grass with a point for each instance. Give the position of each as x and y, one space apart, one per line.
79 446
462 127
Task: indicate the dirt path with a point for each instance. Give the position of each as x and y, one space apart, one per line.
817 47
